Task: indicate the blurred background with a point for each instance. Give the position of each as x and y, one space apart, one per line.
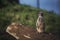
25 12
44 4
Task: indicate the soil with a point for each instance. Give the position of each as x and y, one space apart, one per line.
26 30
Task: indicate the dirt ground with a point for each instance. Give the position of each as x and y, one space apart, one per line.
41 36
32 34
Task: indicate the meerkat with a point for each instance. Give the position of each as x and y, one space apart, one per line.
40 23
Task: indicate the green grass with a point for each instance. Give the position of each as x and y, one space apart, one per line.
25 14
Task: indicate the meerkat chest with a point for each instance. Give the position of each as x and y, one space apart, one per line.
40 19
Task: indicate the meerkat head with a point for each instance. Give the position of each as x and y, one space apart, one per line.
40 13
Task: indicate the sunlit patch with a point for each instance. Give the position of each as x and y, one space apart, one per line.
13 23
9 28
13 34
27 36
20 24
15 27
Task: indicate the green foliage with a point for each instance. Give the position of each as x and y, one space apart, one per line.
27 15
16 13
4 3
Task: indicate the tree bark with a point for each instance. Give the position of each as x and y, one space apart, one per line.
38 3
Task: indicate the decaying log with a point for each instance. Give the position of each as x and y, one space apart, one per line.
20 31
